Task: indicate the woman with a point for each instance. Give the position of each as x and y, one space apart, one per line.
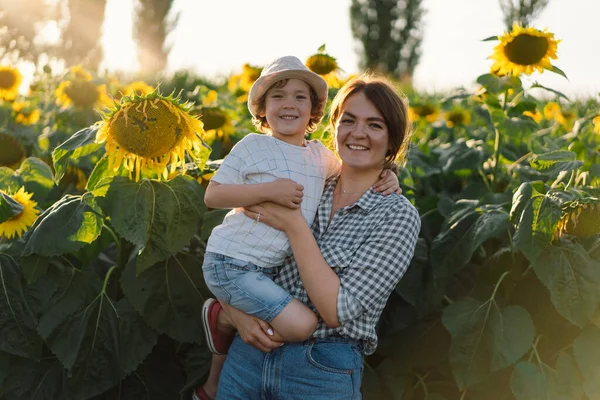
347 264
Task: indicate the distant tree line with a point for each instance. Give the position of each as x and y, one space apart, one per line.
388 33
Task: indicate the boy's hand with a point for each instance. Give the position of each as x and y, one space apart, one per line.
388 183
286 192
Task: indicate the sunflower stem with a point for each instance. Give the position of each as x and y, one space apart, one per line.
117 242
496 155
571 179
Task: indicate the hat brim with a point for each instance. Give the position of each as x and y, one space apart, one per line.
262 84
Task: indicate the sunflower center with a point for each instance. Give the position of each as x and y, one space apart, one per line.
526 49
456 118
82 93
11 151
213 118
424 110
321 64
7 79
148 129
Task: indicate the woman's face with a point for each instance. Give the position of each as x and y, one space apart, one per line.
361 134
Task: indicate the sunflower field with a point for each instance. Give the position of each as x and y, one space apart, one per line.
103 230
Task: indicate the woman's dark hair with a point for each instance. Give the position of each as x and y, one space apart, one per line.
392 106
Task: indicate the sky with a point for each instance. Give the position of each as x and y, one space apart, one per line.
215 38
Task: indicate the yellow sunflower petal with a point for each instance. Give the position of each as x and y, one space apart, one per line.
524 51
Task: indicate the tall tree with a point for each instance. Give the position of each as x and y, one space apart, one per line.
522 11
390 33
81 37
19 24
150 32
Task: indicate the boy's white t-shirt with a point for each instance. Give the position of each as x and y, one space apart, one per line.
259 159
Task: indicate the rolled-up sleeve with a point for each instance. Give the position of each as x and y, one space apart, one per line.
379 263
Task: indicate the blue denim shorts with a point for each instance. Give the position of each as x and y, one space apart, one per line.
245 286
328 369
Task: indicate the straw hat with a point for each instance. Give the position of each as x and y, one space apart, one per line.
287 67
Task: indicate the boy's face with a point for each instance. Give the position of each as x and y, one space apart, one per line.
287 110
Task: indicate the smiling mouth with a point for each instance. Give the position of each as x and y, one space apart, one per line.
288 117
357 147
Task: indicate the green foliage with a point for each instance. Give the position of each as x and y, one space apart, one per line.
390 33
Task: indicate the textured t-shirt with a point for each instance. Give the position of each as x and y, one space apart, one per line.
260 159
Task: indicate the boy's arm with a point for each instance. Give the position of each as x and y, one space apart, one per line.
281 191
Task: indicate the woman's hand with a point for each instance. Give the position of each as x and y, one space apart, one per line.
253 331
388 183
274 215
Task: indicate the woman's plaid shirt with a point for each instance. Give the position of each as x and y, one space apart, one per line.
369 245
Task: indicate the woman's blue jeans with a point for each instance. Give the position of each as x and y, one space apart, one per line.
329 368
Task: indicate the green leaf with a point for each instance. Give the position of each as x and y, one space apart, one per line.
569 378
490 38
34 380
82 143
197 365
586 349
461 155
522 106
102 171
530 382
555 161
65 227
8 181
558 71
98 341
168 295
37 178
18 334
485 338
161 217
211 219
159 377
467 229
556 92
34 267
536 224
517 127
4 368
9 207
573 280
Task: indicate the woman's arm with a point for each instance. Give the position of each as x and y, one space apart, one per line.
377 265
320 281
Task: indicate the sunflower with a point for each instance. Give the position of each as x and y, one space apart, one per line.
580 218
325 65
596 122
148 134
524 50
457 117
139 87
216 120
426 111
240 84
74 176
10 80
534 115
552 111
19 223
11 151
82 94
25 113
